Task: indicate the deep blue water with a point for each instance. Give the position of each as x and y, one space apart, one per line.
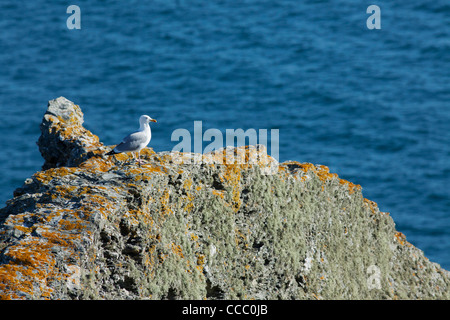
373 105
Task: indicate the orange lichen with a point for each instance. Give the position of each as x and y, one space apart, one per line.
200 262
201 259
147 153
162 257
72 225
240 238
218 193
400 237
373 206
23 229
30 268
46 176
64 191
32 262
97 163
187 184
164 200
177 250
352 188
232 174
323 173
144 170
71 129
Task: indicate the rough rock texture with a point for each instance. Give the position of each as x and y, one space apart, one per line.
64 141
95 227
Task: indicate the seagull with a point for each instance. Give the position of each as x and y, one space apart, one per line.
136 141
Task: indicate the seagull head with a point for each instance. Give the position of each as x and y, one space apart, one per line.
146 119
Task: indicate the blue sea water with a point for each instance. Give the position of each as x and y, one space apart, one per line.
372 105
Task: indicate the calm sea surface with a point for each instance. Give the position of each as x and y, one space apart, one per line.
372 105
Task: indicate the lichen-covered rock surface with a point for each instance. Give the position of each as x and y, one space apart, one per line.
91 226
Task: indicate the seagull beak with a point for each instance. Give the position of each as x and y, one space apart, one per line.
153 120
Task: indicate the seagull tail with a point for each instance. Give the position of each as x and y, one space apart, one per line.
112 152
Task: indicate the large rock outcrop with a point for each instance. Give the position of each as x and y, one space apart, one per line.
95 227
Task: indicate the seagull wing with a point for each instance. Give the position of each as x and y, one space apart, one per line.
132 142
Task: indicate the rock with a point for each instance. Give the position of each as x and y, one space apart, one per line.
64 141
91 226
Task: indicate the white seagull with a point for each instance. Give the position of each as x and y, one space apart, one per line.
136 141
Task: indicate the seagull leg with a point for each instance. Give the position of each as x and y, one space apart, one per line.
133 156
139 159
